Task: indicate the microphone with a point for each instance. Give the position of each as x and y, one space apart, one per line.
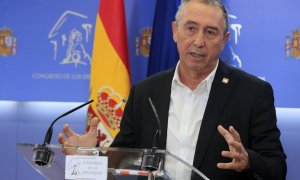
151 161
42 155
158 131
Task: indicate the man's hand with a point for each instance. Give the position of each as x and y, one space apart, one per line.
240 158
70 138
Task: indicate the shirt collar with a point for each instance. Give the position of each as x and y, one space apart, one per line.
208 80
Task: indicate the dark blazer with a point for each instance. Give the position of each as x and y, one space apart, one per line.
245 102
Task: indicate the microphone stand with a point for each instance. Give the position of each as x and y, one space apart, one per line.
42 155
151 160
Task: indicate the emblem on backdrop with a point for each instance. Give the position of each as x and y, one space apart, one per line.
229 54
69 38
8 42
142 42
292 45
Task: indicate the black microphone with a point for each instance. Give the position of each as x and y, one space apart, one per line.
151 160
158 131
42 155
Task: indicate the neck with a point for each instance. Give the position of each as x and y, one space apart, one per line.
192 78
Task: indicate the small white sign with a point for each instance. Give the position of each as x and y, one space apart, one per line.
86 167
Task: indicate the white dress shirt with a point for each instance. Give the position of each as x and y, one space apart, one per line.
185 117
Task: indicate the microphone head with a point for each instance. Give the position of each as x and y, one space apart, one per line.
42 156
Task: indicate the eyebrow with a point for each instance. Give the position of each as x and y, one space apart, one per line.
189 22
213 28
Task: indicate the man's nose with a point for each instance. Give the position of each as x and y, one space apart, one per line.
199 40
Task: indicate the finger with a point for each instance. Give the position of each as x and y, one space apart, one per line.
94 123
230 165
68 149
225 133
65 151
234 165
94 126
61 139
232 155
67 130
235 144
235 134
67 144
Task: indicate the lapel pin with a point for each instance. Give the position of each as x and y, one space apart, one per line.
225 80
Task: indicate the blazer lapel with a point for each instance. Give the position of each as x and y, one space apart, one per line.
220 91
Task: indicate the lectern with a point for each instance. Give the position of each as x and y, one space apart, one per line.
122 163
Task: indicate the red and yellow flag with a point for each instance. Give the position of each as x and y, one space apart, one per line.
110 80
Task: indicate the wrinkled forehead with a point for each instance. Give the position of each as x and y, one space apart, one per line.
201 13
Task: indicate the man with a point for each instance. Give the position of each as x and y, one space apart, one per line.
218 118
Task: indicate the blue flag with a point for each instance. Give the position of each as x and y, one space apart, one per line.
163 50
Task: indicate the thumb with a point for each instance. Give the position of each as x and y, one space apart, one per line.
94 125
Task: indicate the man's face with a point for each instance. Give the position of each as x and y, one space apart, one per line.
199 34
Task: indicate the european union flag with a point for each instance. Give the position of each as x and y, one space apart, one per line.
163 50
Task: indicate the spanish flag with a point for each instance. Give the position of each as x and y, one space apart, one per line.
110 80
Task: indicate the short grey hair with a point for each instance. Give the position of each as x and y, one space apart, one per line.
216 3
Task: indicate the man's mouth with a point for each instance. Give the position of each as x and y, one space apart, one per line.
197 55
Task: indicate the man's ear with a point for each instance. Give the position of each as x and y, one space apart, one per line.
225 39
226 36
174 30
